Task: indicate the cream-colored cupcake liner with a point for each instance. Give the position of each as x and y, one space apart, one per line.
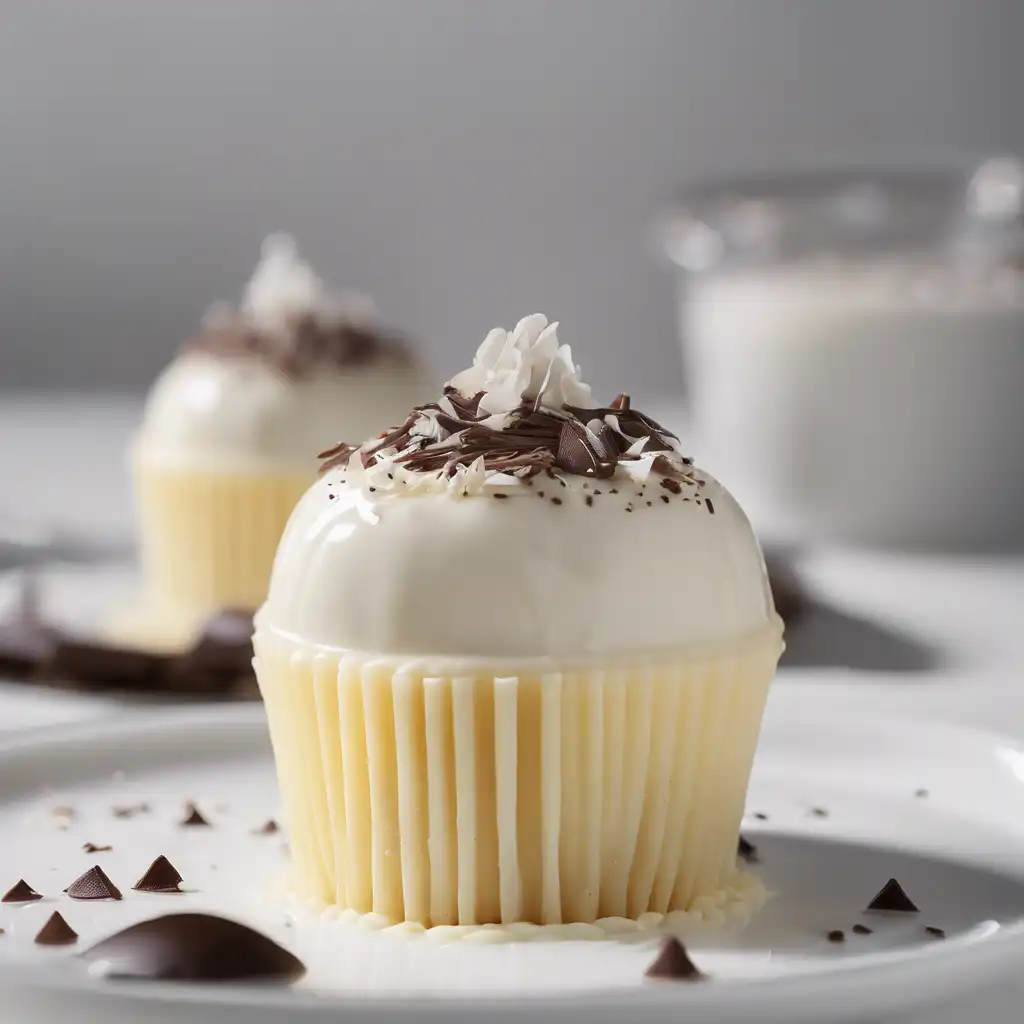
208 537
547 795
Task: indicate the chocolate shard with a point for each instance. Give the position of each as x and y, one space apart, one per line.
105 665
836 936
56 932
21 892
93 848
268 828
747 851
584 452
161 876
674 962
194 947
938 933
192 817
93 885
862 929
893 898
224 646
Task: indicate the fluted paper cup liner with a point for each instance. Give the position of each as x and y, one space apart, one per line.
546 793
208 538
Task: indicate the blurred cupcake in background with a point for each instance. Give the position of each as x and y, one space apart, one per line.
230 433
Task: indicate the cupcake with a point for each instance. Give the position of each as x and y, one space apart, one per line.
230 433
514 656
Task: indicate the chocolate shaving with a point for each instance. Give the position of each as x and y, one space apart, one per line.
671 485
161 876
130 810
304 344
836 935
93 885
892 897
21 892
673 962
192 817
93 848
747 851
56 932
938 933
862 929
585 453
268 828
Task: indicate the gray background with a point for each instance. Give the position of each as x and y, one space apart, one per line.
464 161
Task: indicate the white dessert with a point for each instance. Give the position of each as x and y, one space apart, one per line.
514 658
239 413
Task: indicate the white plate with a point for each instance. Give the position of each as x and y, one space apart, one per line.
957 852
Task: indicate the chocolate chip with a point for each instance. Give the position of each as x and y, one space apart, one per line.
192 817
193 947
93 848
56 932
892 897
836 936
673 962
93 885
747 851
21 892
862 929
161 876
939 933
268 828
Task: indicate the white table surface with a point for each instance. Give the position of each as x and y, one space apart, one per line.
938 636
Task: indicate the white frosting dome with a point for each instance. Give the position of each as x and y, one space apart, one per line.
243 413
483 562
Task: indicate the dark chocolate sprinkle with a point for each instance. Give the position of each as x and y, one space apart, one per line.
194 947
130 810
711 507
665 498
268 828
500 496
760 815
892 897
819 812
161 876
590 499
21 892
93 848
192 817
938 933
673 962
671 485
862 929
921 793
556 501
747 851
56 932
93 885
836 936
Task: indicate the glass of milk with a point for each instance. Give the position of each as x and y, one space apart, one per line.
854 348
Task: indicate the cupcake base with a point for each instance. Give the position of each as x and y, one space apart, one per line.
544 794
208 537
